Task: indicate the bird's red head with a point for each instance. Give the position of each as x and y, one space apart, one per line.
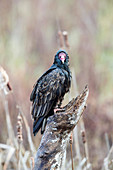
62 56
61 59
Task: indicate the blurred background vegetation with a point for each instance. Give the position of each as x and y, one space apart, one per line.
28 43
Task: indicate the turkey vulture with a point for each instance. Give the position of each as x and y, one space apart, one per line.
49 90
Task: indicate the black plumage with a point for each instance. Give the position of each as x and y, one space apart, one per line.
49 90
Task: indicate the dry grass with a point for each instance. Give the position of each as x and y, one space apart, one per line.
13 153
28 42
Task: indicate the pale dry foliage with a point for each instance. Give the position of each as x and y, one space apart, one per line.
13 154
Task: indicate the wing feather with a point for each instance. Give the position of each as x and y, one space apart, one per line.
38 111
46 91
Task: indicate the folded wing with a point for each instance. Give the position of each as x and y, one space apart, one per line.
48 89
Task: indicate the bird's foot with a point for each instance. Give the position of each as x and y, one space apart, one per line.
57 110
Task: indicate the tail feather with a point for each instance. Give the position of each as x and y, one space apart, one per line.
41 123
37 125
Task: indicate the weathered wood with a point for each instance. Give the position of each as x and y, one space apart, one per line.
52 150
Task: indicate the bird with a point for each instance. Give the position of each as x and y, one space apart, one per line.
49 90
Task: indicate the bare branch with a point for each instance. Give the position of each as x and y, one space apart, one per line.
52 149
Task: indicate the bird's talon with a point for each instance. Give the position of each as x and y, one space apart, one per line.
58 110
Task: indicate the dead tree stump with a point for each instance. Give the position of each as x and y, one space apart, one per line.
52 150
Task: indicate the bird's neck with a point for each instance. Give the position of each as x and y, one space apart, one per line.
64 67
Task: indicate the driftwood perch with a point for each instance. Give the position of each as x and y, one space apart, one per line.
52 150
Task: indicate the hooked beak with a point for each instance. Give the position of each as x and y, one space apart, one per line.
62 59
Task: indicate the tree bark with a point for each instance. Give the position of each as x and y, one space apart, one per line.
52 150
